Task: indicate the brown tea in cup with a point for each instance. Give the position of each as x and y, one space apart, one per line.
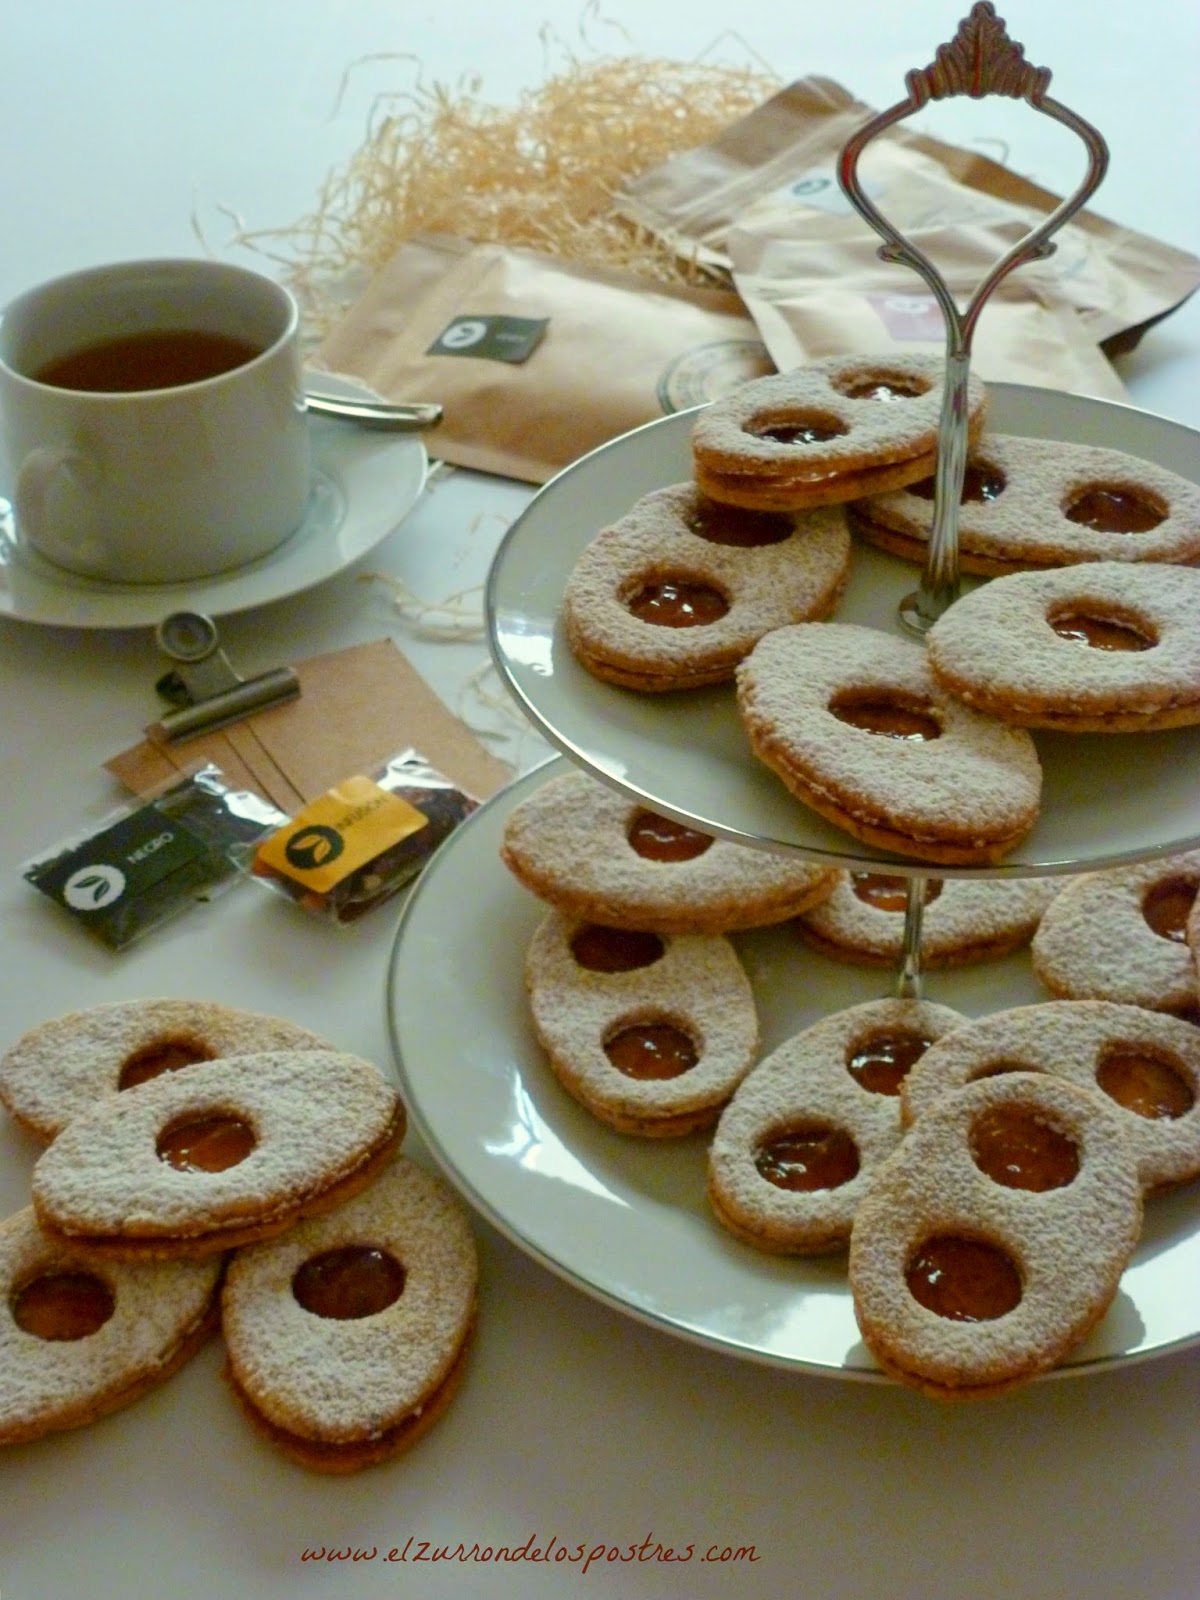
158 358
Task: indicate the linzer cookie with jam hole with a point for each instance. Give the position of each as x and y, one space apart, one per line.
675 593
81 1338
1145 1064
964 921
993 1239
650 1032
1034 503
603 857
1121 934
836 430
200 1161
794 1149
347 1337
1100 647
854 724
62 1066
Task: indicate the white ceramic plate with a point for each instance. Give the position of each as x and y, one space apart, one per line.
364 484
1105 798
626 1219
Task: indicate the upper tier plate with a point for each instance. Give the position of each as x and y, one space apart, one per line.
1106 798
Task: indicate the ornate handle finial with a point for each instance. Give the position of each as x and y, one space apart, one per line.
981 59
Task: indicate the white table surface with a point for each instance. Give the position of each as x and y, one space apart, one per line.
125 126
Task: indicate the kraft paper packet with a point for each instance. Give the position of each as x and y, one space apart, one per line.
356 707
775 171
573 355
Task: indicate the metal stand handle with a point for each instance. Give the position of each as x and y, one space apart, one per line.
981 59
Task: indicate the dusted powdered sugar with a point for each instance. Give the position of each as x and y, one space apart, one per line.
1094 943
60 1067
1027 525
344 1381
878 431
698 984
1068 1040
978 781
970 920
1070 1245
996 647
317 1115
806 1081
569 844
765 586
47 1384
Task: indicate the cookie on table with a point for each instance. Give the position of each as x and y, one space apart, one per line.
649 1032
1100 647
674 594
61 1066
1033 503
965 920
347 1337
839 429
854 724
1144 1063
79 1338
794 1149
602 856
1121 934
197 1162
993 1239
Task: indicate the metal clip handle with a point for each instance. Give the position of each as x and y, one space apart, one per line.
980 60
203 686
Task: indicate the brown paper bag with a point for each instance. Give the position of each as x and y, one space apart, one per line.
536 360
775 171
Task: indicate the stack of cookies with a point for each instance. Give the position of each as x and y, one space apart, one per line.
207 1167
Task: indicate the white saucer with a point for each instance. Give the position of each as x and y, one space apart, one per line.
364 483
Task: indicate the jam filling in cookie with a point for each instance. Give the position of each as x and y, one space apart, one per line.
853 722
673 594
964 921
194 1163
1120 934
1038 503
651 1033
63 1066
81 1338
1100 647
993 1239
346 1338
601 856
826 433
1143 1064
794 1149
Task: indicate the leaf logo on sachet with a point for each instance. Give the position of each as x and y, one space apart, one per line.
314 846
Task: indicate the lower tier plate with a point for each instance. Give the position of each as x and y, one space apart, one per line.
626 1219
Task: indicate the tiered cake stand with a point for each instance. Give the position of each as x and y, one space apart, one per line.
625 1219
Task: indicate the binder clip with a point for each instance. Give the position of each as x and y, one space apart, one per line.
203 687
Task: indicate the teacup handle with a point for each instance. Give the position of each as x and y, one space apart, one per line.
36 477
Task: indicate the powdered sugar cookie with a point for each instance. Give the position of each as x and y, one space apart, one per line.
603 857
60 1067
347 1337
1101 647
833 431
196 1162
79 1338
1121 934
1046 503
993 1239
674 594
651 1032
855 725
794 1149
1146 1064
964 921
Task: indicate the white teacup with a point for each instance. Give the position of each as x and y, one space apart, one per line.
152 417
